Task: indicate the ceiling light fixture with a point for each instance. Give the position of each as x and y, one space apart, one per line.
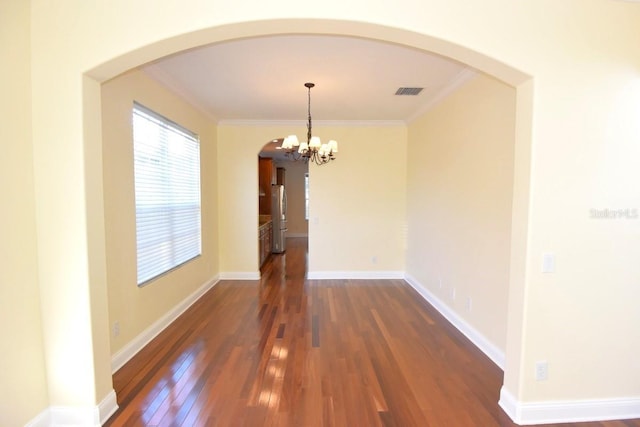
313 150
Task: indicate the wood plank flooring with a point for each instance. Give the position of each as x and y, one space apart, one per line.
286 351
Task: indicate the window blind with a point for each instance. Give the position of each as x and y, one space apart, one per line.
167 193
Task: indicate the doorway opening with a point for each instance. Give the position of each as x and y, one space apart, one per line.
283 200
415 42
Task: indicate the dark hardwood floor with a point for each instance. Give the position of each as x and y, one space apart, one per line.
286 351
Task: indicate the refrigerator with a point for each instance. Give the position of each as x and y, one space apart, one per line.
279 217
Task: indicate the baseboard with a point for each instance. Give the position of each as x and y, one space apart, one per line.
43 419
297 235
240 275
133 347
574 411
94 416
74 416
371 275
479 340
108 406
509 404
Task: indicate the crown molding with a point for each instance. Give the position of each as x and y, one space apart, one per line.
461 78
169 84
316 123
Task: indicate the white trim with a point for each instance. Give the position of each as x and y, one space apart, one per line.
479 340
156 73
461 78
316 123
297 234
509 404
43 419
74 416
108 406
240 275
134 346
79 416
332 275
574 411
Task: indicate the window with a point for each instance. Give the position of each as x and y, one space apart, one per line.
306 196
167 191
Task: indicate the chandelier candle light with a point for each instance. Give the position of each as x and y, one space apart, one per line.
311 150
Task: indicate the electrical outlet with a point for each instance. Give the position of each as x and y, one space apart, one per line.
440 282
467 304
453 293
374 259
542 370
116 329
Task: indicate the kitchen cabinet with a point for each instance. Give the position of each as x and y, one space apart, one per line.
266 178
264 240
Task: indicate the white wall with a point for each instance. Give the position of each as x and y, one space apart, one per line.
460 179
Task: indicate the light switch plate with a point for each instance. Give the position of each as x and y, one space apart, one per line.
548 263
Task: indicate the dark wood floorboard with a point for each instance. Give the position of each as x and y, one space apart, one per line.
286 351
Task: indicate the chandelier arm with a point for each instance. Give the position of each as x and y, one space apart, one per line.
320 160
294 155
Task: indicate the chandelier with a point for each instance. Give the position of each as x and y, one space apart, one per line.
313 149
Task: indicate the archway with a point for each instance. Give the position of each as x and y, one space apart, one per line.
223 33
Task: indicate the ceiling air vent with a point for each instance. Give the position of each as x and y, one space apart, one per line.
412 91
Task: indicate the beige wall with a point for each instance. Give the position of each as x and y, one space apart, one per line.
297 225
136 308
575 149
23 388
238 148
357 204
459 203
342 198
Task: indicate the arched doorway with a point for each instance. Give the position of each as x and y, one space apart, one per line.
129 59
278 173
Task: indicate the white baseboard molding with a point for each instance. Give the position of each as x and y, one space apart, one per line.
370 275
479 340
74 416
240 275
134 346
80 416
572 411
108 406
297 235
43 419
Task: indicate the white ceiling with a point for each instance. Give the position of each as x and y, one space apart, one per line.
263 79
